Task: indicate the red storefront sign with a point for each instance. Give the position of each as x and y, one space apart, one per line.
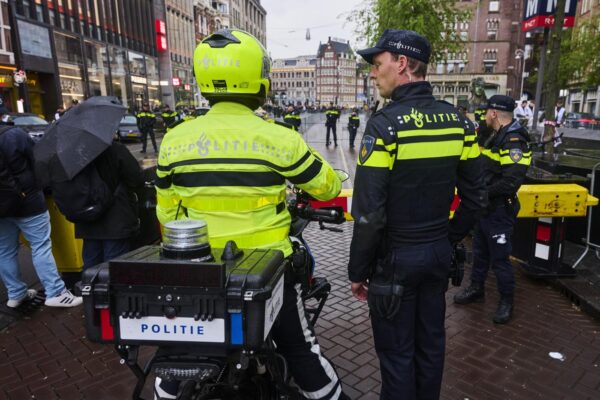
540 14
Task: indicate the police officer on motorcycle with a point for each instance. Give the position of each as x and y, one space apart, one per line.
229 168
413 153
506 157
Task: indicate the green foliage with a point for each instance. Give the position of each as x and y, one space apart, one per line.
580 54
434 19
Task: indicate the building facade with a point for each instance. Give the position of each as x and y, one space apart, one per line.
205 19
9 93
222 19
249 16
493 42
336 74
182 42
77 49
578 97
293 80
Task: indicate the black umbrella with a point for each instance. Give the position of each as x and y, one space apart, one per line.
77 138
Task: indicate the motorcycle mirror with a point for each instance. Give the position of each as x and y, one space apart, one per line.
343 175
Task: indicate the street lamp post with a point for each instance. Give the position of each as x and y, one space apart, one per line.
521 55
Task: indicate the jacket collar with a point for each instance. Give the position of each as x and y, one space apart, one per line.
410 90
228 107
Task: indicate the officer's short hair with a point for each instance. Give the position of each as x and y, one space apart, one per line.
416 67
504 114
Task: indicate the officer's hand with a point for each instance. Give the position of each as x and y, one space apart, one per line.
360 290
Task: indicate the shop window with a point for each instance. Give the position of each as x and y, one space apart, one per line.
97 67
70 67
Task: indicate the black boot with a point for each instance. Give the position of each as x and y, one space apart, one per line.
473 294
504 310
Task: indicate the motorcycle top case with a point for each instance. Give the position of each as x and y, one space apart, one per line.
142 298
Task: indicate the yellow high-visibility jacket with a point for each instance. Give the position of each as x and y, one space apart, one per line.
229 168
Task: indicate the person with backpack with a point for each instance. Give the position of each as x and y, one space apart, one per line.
23 209
113 181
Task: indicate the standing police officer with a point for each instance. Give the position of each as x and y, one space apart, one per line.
332 114
413 153
506 157
292 117
230 168
353 124
168 116
145 122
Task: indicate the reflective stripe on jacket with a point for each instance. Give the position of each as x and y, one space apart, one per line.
229 168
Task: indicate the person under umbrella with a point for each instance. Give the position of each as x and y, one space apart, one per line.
80 147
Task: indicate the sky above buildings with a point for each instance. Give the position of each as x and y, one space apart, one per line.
287 22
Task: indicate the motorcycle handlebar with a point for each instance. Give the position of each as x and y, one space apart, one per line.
329 215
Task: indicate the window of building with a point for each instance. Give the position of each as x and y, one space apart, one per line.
488 68
439 68
585 6
494 7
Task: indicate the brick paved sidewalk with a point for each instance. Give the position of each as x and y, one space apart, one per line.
46 355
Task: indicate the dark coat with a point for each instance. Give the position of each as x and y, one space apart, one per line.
121 172
17 149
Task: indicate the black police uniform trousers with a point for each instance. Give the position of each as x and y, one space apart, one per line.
492 245
411 345
331 128
313 374
352 132
145 134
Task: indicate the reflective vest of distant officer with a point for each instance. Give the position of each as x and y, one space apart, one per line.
292 117
145 121
332 114
482 130
353 124
169 117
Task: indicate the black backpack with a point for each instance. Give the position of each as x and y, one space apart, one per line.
85 198
11 195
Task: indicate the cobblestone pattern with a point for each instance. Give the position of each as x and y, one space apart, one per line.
46 356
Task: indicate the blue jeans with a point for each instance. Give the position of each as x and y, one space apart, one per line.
97 251
36 230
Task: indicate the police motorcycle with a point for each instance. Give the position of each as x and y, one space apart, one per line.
209 311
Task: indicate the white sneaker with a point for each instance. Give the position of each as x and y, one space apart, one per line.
65 299
30 295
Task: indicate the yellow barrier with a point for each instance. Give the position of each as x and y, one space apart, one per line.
556 200
66 249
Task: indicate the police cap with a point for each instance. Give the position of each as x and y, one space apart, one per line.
408 43
501 102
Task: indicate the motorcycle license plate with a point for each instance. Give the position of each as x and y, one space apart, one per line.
180 329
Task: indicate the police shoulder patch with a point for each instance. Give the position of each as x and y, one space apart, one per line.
366 148
516 155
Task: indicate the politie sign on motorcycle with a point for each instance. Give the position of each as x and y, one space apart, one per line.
180 329
540 14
